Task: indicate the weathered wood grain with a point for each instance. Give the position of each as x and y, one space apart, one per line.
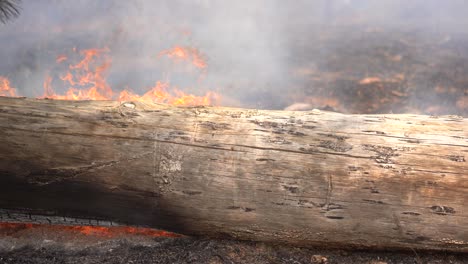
305 178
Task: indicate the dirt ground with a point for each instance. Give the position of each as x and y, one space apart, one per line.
360 69
42 246
22 242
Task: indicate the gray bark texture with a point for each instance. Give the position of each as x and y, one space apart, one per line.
304 178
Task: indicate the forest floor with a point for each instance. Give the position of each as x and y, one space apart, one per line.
59 244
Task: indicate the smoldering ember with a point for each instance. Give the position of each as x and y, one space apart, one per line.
264 131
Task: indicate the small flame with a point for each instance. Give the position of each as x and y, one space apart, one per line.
159 94
87 81
5 88
187 54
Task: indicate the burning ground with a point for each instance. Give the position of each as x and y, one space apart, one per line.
23 243
87 80
350 70
346 56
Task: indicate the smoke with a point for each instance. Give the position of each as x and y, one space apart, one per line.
253 49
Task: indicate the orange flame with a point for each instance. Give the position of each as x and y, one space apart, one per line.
5 88
87 81
186 53
159 94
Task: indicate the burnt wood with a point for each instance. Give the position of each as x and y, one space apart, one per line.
305 178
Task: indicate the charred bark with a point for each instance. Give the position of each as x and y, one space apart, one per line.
304 178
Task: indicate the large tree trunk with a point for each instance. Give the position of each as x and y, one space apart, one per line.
305 178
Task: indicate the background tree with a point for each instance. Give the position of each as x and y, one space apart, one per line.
9 9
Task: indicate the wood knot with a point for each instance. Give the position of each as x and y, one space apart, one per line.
442 210
128 105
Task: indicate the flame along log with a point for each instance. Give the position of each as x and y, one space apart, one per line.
303 178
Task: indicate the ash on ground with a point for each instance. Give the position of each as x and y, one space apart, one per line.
39 245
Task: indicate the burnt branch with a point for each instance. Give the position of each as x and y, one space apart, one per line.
9 9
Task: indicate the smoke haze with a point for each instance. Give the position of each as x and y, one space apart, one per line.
256 51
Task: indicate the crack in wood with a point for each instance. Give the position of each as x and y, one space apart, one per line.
127 138
326 206
156 162
397 222
54 175
307 152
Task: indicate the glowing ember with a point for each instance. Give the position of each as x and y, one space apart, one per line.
187 54
99 231
5 88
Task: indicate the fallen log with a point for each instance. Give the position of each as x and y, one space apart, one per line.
303 178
